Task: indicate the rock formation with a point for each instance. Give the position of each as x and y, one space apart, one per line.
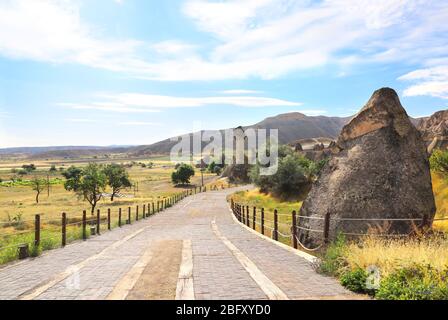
379 169
434 130
298 147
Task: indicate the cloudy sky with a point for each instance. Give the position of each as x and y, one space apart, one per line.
107 72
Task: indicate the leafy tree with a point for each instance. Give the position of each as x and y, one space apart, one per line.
214 168
117 178
183 174
53 168
38 185
29 167
293 178
89 183
73 176
439 162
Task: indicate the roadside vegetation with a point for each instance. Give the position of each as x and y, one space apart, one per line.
385 268
391 269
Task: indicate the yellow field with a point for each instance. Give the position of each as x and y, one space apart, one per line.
440 188
153 184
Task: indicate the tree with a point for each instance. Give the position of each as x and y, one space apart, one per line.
29 167
439 162
89 183
38 185
53 168
93 183
73 178
183 174
117 178
293 178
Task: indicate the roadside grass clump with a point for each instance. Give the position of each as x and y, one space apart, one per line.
407 269
417 282
50 239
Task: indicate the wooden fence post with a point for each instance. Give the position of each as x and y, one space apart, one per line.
108 219
262 221
64 229
84 225
247 216
327 228
275 233
254 218
119 217
37 230
129 215
158 206
152 208
144 211
98 221
243 214
136 213
294 229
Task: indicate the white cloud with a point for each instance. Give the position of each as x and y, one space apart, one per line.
173 47
252 38
432 81
239 91
136 102
81 120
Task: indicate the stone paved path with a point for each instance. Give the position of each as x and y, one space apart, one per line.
195 249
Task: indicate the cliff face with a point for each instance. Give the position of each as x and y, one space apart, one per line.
434 130
379 169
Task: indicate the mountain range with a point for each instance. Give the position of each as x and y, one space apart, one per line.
292 127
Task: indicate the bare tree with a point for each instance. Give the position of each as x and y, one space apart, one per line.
38 185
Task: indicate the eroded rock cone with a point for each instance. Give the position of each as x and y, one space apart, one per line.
379 171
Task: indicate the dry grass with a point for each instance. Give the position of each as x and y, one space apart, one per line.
393 254
254 198
440 189
153 184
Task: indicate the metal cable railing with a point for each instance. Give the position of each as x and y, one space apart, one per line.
256 218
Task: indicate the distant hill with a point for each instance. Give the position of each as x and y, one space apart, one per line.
61 151
292 127
434 130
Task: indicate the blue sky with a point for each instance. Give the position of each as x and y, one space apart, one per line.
103 72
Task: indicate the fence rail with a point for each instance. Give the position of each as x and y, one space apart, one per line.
67 229
292 230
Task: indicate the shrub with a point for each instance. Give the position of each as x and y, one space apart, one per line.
183 174
355 280
419 282
293 178
333 261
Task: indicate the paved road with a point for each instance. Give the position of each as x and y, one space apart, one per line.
195 250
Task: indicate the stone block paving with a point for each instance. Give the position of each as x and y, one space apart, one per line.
217 273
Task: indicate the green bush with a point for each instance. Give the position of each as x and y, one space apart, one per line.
356 281
415 283
333 263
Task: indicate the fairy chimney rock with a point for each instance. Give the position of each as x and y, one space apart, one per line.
381 170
